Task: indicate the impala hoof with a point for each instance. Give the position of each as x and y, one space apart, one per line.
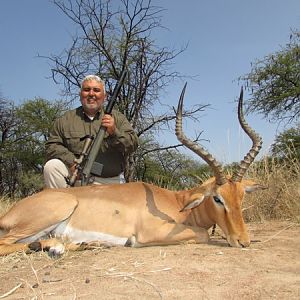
35 246
131 242
56 251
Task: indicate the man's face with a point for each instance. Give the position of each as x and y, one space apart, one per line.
92 96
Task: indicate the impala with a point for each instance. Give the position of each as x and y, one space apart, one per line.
135 214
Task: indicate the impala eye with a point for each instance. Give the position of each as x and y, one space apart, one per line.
218 200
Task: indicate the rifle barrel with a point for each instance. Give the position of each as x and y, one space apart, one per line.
101 133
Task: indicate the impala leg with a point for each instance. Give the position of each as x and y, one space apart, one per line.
168 234
86 246
8 246
8 243
53 246
24 223
6 249
56 248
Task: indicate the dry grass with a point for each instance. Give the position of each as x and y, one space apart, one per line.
5 204
281 201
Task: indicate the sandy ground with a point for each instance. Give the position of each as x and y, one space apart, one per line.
269 269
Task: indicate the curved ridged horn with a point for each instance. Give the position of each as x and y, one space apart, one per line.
256 144
199 150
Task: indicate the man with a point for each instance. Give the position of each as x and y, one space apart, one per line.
67 138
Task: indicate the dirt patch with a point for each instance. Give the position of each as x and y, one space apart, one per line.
269 269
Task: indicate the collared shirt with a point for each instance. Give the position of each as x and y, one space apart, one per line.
67 139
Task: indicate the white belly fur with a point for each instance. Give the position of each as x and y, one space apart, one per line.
64 231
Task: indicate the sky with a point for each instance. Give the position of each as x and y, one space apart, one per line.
223 36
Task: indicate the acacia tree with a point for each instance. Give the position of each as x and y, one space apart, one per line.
7 127
274 83
24 130
287 144
173 170
114 37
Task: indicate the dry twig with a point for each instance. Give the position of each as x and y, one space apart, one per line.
11 291
270 238
148 282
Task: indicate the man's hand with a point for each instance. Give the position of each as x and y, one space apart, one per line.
108 121
72 169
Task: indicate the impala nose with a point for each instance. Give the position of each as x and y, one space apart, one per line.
238 243
244 244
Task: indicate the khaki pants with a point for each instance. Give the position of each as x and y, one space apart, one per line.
55 174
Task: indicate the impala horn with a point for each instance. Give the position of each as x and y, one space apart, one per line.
256 144
199 150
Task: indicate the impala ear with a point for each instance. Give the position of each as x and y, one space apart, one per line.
253 187
198 199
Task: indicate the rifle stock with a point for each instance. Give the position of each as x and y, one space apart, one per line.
90 159
78 161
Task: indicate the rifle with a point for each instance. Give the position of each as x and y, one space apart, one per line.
88 160
78 161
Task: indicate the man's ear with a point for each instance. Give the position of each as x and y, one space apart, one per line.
196 201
